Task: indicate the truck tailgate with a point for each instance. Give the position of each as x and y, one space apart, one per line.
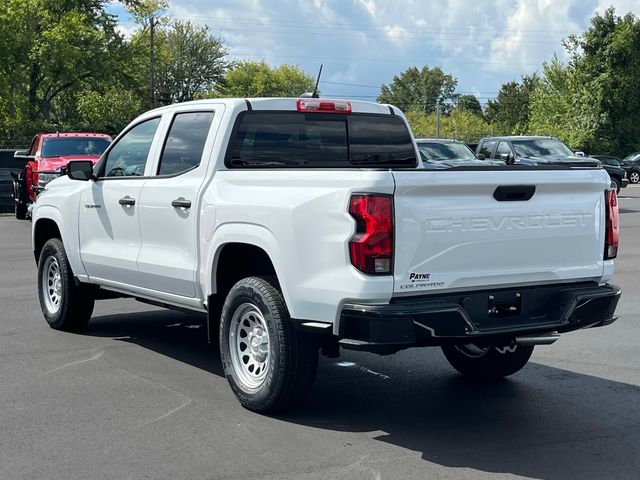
451 233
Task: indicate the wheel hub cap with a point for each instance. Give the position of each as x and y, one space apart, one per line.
249 345
52 290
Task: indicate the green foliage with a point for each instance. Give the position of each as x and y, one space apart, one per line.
420 90
509 112
258 79
559 106
470 103
190 61
460 124
109 112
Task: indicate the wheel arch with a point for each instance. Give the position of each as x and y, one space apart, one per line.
44 229
239 251
48 222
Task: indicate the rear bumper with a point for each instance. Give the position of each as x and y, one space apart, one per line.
491 315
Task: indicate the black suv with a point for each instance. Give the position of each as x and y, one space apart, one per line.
540 150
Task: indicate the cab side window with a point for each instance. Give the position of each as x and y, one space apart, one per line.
486 148
128 156
185 142
503 147
34 146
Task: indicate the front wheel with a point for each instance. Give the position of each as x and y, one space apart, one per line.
268 364
616 184
487 362
66 305
634 177
21 211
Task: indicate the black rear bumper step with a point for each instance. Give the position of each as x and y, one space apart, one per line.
484 315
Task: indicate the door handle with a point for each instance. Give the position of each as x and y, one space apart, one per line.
127 201
181 203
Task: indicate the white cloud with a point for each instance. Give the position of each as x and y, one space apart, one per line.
481 42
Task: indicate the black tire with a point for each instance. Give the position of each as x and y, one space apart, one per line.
492 364
75 302
634 177
617 184
21 211
289 367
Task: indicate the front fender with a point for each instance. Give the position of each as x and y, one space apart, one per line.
67 232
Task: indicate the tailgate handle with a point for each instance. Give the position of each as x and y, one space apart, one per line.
514 193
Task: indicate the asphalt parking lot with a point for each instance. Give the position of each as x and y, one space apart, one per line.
140 395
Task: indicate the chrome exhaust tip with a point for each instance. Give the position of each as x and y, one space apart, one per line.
545 339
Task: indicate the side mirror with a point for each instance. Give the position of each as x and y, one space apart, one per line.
507 158
579 153
80 170
481 156
23 156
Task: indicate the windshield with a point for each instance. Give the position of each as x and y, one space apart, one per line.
438 152
634 157
63 146
540 147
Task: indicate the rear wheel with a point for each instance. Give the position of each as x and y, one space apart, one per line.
65 304
488 362
634 177
268 364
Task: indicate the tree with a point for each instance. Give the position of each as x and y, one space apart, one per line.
108 112
509 112
53 50
470 103
558 106
190 61
606 61
460 124
258 79
420 90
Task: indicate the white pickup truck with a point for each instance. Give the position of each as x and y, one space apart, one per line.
307 225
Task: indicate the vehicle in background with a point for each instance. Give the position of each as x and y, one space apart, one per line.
6 190
631 164
543 150
445 151
615 169
46 159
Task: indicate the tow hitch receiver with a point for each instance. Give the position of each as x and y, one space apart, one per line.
505 304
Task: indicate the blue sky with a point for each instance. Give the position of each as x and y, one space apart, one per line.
364 43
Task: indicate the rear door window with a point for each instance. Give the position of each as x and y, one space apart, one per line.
185 142
298 139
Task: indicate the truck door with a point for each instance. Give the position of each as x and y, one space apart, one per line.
169 215
109 209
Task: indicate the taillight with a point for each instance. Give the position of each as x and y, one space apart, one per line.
371 248
612 229
324 106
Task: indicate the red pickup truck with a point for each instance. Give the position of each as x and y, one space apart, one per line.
45 160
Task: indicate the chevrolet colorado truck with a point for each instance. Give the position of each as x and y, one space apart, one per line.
301 226
46 159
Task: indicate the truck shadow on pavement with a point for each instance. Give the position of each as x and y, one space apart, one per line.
543 423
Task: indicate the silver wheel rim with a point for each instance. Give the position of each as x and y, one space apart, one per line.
249 345
52 285
471 350
634 177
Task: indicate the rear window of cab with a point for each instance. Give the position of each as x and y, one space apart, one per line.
267 139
